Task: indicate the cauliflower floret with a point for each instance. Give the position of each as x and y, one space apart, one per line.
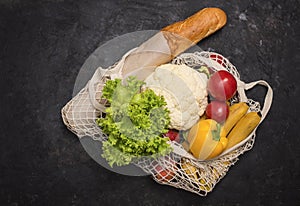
184 90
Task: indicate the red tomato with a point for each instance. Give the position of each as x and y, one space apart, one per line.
222 85
173 135
217 111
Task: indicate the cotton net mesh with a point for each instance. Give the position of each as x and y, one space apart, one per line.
178 169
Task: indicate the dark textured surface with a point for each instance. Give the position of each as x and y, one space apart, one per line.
42 47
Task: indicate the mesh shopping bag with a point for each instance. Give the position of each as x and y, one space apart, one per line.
179 168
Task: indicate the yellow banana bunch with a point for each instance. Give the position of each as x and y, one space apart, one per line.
236 112
243 128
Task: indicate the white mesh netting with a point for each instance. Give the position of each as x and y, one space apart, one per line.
178 169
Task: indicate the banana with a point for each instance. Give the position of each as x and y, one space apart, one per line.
236 112
243 128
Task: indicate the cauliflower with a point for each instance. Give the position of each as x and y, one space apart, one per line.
184 90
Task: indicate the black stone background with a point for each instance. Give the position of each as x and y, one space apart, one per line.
43 45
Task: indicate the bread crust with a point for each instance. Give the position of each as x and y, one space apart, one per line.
183 34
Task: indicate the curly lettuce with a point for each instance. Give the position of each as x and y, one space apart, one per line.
134 122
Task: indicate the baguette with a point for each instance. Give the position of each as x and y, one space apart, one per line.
173 40
183 34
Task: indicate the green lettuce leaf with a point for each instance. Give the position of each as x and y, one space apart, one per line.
134 122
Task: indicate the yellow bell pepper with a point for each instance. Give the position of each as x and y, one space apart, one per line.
219 148
204 139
